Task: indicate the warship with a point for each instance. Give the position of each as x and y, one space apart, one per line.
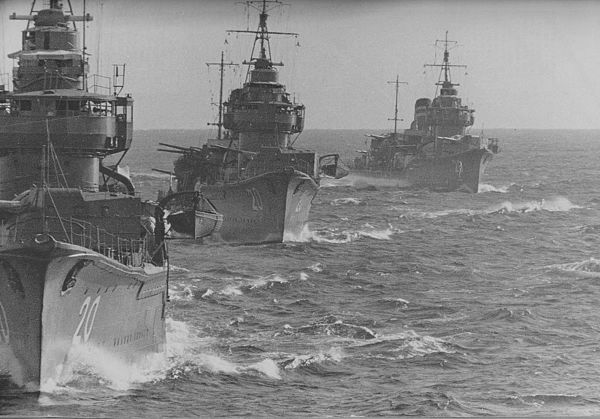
436 152
252 175
83 261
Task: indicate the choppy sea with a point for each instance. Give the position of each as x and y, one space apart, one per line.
392 302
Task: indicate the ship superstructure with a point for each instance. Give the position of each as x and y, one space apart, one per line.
82 264
436 151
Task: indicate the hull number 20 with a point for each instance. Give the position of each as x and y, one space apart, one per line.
87 313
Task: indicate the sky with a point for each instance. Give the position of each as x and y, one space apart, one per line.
530 63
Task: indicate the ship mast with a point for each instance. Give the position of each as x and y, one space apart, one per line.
445 66
221 65
395 118
262 35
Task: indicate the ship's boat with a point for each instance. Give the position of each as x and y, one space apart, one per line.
252 174
331 166
436 152
83 262
190 215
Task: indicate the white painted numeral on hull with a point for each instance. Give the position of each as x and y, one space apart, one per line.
88 316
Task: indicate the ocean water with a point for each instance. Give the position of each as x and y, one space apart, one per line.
392 301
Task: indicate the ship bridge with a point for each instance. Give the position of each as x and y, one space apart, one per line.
51 56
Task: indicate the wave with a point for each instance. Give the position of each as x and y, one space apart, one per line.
405 345
207 293
555 204
589 229
332 327
346 201
484 187
175 268
444 213
177 294
588 268
215 364
316 267
268 281
334 236
394 302
566 401
190 354
334 354
504 313
231 290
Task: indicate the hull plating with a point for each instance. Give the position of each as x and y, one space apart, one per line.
58 304
460 172
267 208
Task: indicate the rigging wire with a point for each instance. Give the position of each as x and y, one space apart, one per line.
2 47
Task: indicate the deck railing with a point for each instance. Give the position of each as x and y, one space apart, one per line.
128 251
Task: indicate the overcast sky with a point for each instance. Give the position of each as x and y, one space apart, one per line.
531 64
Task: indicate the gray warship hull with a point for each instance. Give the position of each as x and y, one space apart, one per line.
459 172
270 207
61 302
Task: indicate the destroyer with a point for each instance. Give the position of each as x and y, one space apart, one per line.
262 186
80 275
436 152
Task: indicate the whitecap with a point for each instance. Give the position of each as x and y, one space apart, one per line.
555 204
334 354
587 268
175 268
267 367
378 234
484 187
346 201
267 281
444 213
411 344
346 236
317 267
184 295
231 290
